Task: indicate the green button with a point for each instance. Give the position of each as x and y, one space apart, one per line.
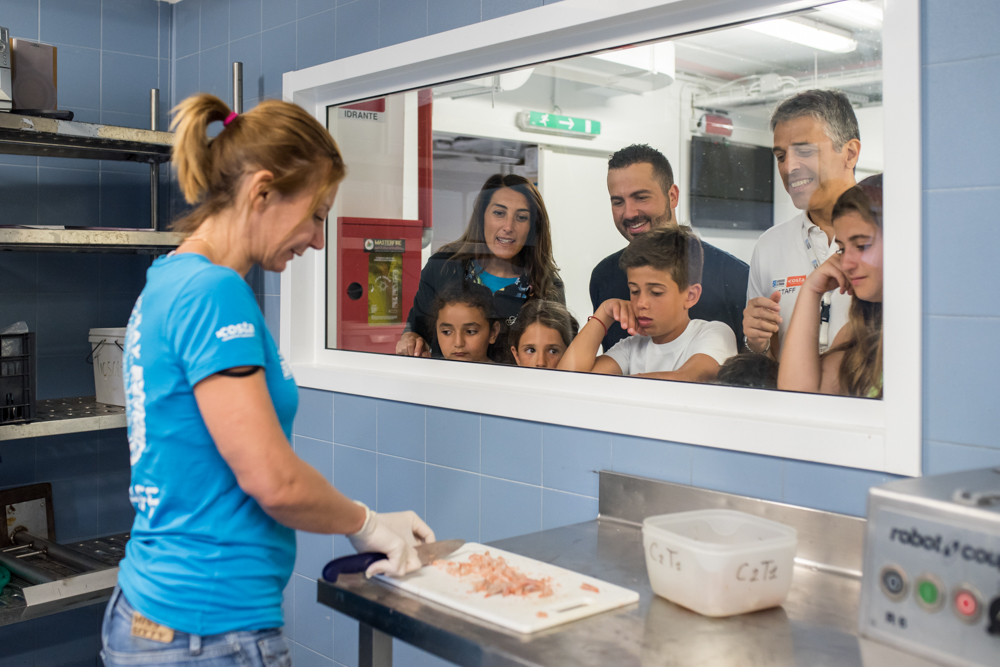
928 592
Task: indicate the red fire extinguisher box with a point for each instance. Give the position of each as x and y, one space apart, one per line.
378 269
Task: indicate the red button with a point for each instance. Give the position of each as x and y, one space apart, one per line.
966 604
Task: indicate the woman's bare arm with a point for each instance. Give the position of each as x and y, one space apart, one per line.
240 417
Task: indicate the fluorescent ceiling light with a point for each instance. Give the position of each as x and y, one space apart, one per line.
868 14
651 57
808 33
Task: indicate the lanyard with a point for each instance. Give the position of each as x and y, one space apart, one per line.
826 301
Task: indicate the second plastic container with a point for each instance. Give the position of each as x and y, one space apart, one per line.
106 347
719 562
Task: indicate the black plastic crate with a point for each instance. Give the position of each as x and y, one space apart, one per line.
17 378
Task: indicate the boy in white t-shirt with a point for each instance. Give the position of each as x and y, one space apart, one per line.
664 279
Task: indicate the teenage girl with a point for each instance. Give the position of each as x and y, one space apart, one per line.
541 334
853 364
465 323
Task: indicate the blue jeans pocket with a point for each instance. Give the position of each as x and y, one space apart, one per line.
274 651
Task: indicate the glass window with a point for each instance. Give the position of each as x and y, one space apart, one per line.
702 191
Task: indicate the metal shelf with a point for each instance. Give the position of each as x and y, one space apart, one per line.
20 600
143 241
67 415
30 135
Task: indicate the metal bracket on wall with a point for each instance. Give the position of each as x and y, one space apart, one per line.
27 508
154 167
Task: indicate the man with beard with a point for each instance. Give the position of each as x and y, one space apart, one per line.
643 198
816 144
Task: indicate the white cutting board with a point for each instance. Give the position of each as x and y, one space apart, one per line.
518 613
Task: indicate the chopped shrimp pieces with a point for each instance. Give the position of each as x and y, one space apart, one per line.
496 577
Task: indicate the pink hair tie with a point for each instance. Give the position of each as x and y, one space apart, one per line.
230 118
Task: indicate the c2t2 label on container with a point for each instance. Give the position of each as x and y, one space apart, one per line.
766 570
666 557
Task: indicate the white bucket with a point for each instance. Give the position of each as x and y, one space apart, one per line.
107 345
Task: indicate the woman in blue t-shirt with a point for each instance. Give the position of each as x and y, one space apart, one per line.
217 490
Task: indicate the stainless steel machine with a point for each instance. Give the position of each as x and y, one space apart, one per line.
931 582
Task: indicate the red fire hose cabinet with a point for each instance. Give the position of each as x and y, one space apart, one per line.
378 269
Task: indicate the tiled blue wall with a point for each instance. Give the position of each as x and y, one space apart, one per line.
482 477
61 296
89 473
68 639
961 197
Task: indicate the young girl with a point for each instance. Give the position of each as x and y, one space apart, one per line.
465 323
542 332
853 364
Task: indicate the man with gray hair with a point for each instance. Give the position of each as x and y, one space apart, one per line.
816 144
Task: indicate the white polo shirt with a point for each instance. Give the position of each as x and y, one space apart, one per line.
639 354
781 261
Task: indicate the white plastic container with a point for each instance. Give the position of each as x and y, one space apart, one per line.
719 562
107 345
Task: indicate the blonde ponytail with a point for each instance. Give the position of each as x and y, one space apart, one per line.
277 136
192 155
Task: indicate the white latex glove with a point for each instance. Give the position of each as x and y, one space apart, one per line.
394 534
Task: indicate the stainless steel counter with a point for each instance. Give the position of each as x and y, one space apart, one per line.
815 626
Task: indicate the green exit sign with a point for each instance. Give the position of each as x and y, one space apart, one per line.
539 121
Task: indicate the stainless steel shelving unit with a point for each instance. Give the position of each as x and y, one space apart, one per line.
47 137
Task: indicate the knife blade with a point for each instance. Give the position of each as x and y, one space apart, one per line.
427 553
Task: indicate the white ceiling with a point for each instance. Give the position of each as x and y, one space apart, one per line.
741 55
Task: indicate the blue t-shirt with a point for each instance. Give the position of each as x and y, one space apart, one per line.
494 283
203 558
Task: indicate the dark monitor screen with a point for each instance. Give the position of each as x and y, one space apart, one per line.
732 185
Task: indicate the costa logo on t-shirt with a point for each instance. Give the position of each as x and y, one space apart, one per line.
241 330
795 281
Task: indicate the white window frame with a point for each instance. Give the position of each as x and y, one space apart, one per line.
875 435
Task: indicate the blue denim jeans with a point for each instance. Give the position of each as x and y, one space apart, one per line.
260 648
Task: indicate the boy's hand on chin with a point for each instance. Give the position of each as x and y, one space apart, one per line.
618 310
